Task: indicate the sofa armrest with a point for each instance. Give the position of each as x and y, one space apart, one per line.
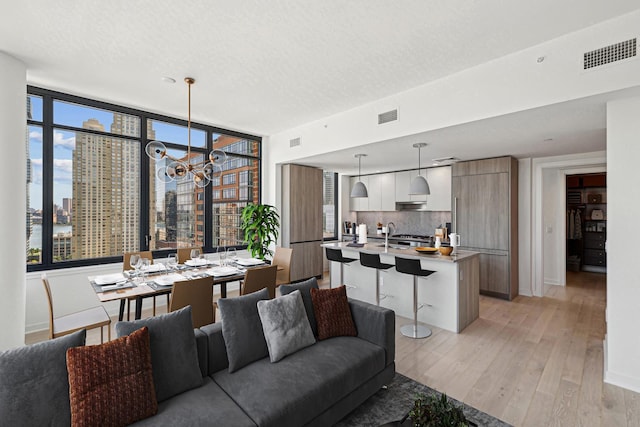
376 325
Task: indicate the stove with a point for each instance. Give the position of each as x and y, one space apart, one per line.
412 239
411 236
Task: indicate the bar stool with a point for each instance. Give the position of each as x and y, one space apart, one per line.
412 266
336 255
373 261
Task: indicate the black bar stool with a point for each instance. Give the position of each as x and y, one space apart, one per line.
336 255
373 261
412 266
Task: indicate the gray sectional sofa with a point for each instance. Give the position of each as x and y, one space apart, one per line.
315 386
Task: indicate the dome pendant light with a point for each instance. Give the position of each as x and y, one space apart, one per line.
419 184
359 189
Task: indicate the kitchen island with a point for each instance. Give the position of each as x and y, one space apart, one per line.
450 296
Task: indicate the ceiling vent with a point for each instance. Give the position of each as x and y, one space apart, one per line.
446 160
294 142
609 54
389 116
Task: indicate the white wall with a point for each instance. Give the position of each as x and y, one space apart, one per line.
552 237
13 116
505 85
524 227
622 344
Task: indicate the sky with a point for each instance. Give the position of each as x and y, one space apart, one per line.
64 143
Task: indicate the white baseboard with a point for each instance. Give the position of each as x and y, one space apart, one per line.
525 292
554 282
619 380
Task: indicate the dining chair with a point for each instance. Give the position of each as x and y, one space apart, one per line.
126 265
282 258
255 279
184 254
198 293
91 318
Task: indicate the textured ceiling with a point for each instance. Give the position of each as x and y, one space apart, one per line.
266 66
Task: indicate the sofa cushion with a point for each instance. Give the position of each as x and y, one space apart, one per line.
174 354
303 385
242 329
34 385
305 289
112 383
285 325
333 314
204 406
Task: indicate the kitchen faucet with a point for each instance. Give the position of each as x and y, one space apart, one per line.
386 236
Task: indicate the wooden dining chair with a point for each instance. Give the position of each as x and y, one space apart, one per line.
91 318
255 279
282 258
126 265
198 293
184 254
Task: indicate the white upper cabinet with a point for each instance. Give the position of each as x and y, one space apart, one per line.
388 188
439 180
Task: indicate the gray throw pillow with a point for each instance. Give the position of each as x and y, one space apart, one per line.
174 355
34 384
285 325
305 289
242 329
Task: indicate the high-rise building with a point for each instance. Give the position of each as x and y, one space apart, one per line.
105 207
66 205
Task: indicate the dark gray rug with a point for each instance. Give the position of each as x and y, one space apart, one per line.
393 403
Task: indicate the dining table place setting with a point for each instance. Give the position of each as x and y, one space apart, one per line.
111 282
249 262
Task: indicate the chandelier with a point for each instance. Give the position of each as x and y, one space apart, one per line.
186 168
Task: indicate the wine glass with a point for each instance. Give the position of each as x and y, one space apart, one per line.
195 254
223 257
144 267
172 261
134 262
231 255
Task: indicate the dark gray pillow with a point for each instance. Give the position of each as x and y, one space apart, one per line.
174 354
34 383
285 325
305 289
242 329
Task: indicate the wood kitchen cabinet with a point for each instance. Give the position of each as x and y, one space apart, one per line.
485 214
301 219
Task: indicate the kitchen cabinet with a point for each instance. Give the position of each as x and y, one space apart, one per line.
439 180
388 192
403 181
301 219
485 214
359 203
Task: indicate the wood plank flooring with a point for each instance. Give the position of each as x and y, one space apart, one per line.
530 362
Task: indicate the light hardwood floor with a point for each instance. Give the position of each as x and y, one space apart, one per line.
530 362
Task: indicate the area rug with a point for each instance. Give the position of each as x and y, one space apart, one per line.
393 403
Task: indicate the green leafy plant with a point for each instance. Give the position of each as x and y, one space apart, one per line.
260 224
436 411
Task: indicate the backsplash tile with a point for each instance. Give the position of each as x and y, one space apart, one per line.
406 222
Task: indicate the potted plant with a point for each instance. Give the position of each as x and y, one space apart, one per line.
260 224
437 411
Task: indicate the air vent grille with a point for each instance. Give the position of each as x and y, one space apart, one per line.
389 116
609 54
294 142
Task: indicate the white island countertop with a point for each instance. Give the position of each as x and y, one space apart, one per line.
449 297
409 252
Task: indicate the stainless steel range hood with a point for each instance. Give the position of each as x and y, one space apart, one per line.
411 206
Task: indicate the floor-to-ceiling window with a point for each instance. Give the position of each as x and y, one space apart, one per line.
93 194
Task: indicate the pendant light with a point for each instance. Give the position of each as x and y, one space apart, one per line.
419 184
359 189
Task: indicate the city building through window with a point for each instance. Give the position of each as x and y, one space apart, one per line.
92 193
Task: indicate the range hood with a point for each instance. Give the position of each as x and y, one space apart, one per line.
411 206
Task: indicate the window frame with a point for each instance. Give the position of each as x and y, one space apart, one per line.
47 124
335 211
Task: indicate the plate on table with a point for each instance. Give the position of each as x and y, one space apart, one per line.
109 279
427 250
169 279
196 262
248 262
223 271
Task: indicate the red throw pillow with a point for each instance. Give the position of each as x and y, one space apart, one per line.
112 384
333 314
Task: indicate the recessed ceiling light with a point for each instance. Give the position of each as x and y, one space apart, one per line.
168 79
541 59
547 140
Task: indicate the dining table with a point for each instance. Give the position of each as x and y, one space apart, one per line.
159 281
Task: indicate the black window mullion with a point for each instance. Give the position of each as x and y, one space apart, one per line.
46 252
145 233
208 202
